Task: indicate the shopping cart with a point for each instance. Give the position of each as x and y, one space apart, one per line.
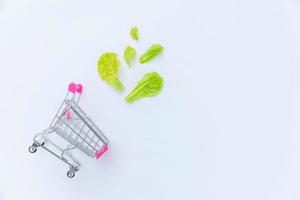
77 131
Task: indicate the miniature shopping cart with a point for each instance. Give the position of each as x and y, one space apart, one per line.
76 131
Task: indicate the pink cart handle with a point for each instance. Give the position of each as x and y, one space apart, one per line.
73 87
101 152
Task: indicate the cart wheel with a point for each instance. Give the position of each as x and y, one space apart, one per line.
71 173
32 149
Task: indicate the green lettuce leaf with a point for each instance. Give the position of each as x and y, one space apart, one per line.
150 85
151 53
134 33
108 69
129 55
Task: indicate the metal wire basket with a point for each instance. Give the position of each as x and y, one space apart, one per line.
76 128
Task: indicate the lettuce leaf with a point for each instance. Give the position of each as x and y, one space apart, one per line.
151 53
129 55
150 85
108 69
134 33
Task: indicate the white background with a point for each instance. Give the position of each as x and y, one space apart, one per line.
225 126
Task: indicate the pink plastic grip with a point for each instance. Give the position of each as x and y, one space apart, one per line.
101 152
75 88
72 87
79 88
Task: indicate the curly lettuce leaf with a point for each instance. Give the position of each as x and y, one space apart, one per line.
150 85
134 33
108 69
129 55
151 53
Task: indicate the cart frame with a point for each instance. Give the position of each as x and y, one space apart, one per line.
78 131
